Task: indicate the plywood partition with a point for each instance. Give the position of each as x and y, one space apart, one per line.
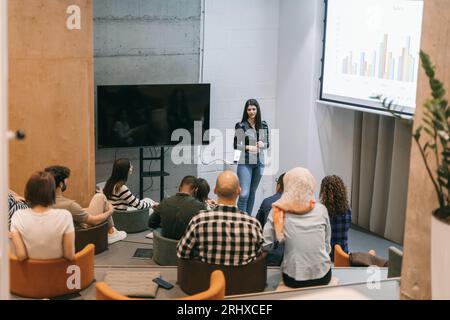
51 91
422 200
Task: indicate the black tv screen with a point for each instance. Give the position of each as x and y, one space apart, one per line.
147 115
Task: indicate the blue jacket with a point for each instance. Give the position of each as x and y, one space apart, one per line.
265 208
276 250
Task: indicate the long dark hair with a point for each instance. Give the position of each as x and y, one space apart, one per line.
258 122
333 195
203 190
119 177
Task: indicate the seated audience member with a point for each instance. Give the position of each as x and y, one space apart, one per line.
15 202
202 193
304 226
42 232
224 235
173 214
98 211
266 205
333 195
118 193
275 250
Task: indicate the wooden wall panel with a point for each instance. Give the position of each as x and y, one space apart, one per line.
51 92
416 269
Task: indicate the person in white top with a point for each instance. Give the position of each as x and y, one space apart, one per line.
42 232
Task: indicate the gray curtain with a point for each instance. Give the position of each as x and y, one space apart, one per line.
381 156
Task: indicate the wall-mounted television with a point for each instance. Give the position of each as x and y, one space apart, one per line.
147 115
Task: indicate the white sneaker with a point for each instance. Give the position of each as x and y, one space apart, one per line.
150 235
116 236
151 202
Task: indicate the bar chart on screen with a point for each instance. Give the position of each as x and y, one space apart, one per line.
371 50
381 64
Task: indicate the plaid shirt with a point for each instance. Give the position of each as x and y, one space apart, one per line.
340 223
224 236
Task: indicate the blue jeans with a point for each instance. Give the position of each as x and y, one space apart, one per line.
249 178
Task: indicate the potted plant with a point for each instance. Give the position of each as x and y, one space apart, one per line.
433 140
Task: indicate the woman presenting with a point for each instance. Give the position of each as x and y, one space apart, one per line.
251 138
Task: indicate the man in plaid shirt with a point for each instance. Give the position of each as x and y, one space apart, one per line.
224 235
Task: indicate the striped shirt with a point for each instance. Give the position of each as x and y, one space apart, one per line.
224 236
123 199
13 206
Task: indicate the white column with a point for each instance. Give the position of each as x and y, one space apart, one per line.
4 263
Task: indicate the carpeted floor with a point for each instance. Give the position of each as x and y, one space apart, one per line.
360 240
120 255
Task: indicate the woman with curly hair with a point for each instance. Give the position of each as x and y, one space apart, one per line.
333 195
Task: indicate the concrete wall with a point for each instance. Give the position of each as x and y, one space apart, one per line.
240 62
146 42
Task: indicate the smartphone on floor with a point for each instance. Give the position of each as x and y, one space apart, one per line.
163 283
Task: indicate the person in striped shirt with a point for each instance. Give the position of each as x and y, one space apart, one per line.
15 203
118 193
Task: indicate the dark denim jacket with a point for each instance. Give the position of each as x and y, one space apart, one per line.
245 135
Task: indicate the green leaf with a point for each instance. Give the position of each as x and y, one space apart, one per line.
436 114
439 93
436 84
418 133
429 69
438 126
427 130
442 174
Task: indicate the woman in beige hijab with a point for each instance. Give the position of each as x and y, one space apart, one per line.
304 226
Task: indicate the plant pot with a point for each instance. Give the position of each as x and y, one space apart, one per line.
440 259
